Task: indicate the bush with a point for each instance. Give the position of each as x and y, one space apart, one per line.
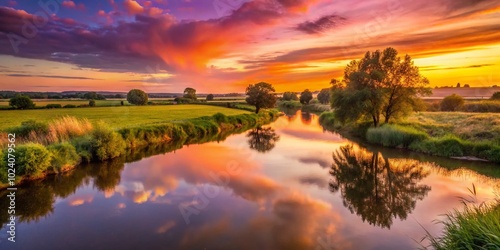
482 106
69 106
184 100
32 159
63 155
210 97
105 143
390 135
92 103
21 102
53 106
28 128
289 104
137 97
452 103
495 96
448 145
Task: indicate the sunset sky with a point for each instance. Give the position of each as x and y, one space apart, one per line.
220 46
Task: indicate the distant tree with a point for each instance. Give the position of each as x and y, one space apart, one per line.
93 96
118 96
458 85
210 97
190 93
324 96
261 95
452 103
466 86
92 103
290 96
21 102
306 96
380 84
137 97
495 96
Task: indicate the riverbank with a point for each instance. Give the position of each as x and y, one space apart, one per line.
474 227
64 143
448 134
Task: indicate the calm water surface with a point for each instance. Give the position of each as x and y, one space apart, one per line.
289 185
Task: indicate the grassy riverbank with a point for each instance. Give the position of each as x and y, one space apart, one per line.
44 148
449 134
476 227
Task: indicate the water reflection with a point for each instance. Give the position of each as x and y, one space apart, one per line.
376 188
262 139
306 118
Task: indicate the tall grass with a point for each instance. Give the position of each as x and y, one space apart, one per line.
475 227
390 135
58 130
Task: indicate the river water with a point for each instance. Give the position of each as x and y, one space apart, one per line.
289 185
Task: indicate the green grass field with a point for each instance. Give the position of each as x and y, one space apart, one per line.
117 117
43 103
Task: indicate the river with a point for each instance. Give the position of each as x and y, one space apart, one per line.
288 185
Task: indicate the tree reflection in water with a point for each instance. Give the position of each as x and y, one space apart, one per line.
262 139
376 188
306 118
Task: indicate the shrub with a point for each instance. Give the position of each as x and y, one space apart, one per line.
63 155
495 96
452 103
290 96
105 143
92 103
21 102
184 100
395 135
69 106
448 145
30 128
289 104
210 97
53 106
137 97
482 106
31 159
83 147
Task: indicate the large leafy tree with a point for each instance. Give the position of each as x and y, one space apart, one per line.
381 84
137 97
324 96
306 96
190 93
290 96
261 95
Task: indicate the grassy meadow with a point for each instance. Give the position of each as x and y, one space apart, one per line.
117 117
449 134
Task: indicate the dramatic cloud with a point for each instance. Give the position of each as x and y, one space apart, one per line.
133 7
321 25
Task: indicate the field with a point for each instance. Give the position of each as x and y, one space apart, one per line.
471 126
117 117
42 103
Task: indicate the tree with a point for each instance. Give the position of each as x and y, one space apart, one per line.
495 96
466 86
210 97
137 97
190 93
452 103
324 96
290 96
92 103
93 96
306 96
262 139
21 102
458 85
379 84
261 95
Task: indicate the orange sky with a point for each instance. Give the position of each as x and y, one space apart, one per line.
161 47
